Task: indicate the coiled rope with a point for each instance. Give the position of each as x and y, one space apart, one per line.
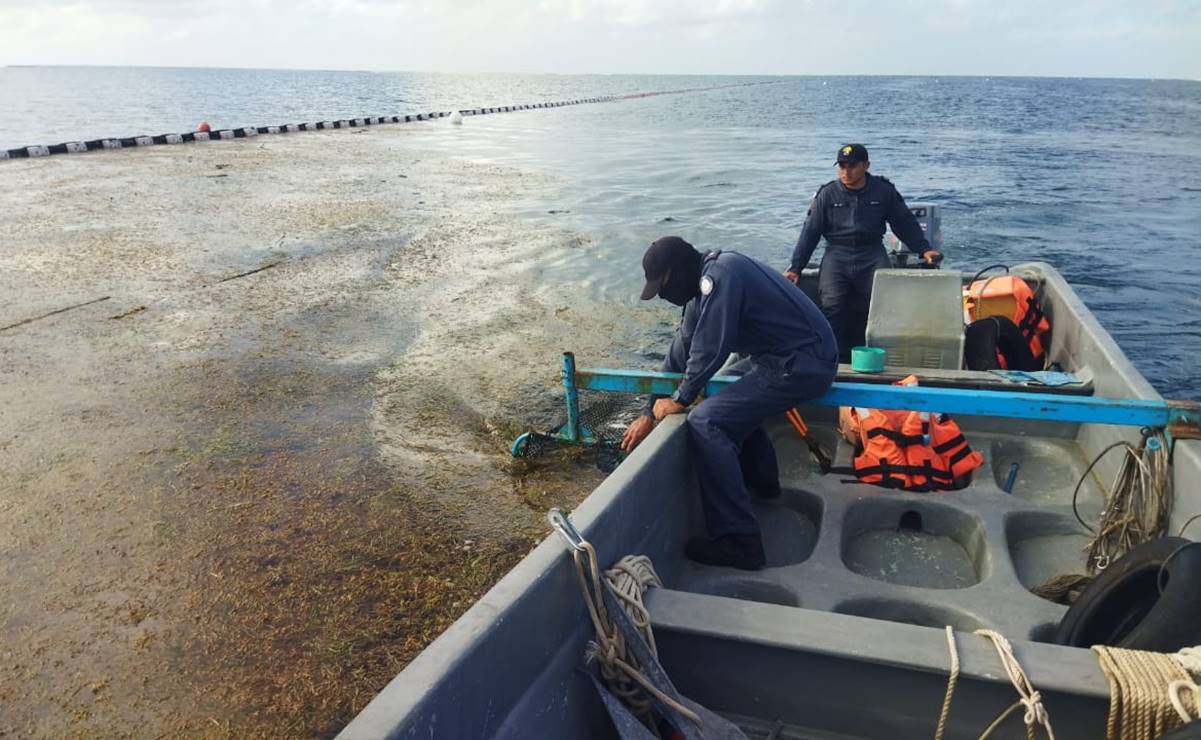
1036 713
1190 659
1137 503
629 578
1147 691
1137 507
1062 589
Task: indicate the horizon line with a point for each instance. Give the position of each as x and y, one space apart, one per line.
602 74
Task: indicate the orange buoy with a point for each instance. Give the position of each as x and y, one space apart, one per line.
203 126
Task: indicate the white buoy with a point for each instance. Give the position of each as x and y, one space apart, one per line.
456 118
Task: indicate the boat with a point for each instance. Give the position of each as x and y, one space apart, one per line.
844 633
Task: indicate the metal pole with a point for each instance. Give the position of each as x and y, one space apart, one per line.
571 430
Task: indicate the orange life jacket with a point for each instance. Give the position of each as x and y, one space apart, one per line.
910 450
1011 297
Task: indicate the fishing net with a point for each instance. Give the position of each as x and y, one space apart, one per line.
606 415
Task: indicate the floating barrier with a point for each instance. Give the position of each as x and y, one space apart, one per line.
76 147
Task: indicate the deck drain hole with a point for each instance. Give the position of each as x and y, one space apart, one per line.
911 521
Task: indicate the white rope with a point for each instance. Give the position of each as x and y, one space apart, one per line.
1189 659
1174 696
630 577
1031 700
619 669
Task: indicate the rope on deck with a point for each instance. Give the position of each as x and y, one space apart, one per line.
1036 713
630 578
1062 589
1137 503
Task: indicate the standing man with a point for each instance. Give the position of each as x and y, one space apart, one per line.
733 303
850 213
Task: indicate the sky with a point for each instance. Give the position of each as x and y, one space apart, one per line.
1053 38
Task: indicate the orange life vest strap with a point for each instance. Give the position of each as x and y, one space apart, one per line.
903 440
950 444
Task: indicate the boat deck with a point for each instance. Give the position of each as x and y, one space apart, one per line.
963 558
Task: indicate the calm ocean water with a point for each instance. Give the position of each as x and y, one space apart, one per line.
1101 178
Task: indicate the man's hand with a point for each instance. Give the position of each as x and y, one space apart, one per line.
665 407
932 256
792 277
636 432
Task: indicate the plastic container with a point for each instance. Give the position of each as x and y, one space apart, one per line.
867 359
990 297
916 316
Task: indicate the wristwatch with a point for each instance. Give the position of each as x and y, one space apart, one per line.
679 399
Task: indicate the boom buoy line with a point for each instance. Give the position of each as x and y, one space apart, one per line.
78 147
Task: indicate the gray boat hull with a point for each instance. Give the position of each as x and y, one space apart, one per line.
842 635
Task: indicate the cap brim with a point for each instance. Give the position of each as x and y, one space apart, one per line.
652 289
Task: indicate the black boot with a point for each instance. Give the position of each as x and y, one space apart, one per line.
743 551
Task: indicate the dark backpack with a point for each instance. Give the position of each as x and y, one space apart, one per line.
996 342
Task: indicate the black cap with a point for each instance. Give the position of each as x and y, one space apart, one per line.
663 254
852 153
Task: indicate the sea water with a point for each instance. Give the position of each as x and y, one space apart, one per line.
1101 178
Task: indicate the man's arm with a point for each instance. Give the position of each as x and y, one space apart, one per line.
677 355
811 234
716 331
675 362
904 224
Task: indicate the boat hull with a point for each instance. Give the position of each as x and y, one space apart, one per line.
842 634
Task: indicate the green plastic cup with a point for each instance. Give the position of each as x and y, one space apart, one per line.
867 359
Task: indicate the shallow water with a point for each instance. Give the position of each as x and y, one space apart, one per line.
1098 177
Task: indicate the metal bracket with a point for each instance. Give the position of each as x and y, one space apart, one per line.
562 524
573 432
1184 422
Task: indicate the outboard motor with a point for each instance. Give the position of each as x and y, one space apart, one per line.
929 216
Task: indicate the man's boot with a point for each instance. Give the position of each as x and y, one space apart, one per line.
743 551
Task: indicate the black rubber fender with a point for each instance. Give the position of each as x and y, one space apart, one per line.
1190 731
1123 605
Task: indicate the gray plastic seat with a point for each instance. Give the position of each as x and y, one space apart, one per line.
916 317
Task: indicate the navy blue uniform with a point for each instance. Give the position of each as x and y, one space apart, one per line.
853 222
748 308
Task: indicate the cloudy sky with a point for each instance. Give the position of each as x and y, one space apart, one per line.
1095 38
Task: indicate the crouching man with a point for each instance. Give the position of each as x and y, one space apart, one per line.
733 303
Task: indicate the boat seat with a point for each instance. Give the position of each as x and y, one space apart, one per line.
982 380
916 317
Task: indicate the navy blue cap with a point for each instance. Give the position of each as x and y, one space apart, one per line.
852 153
662 255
